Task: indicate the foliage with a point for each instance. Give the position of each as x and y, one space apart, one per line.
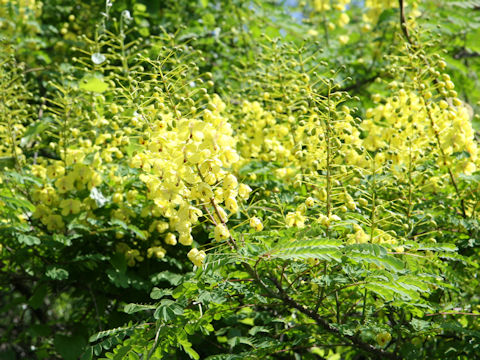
270 179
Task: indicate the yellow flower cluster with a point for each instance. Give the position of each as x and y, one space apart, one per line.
10 136
374 8
404 130
64 180
340 5
341 20
263 135
183 163
378 236
131 255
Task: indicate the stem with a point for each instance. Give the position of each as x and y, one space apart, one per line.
374 199
329 180
403 22
233 244
364 308
287 300
337 304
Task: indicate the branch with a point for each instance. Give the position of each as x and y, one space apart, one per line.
464 53
378 353
403 22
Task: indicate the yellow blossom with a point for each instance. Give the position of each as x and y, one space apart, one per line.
170 239
221 232
70 206
256 223
196 257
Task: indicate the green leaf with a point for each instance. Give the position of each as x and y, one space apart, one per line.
115 331
93 83
88 354
121 352
140 234
18 203
159 293
38 296
437 247
187 346
65 240
325 249
56 273
7 162
138 7
133 308
33 130
133 356
69 347
28 239
173 278
167 311
184 289
461 155
192 353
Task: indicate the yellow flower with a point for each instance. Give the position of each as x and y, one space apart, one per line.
360 237
70 206
256 223
133 255
230 182
383 338
161 226
54 171
117 198
157 251
221 232
204 191
343 20
132 195
41 211
244 191
185 238
82 173
65 183
95 180
343 39
310 202
170 239
223 215
196 257
295 219
231 204
53 222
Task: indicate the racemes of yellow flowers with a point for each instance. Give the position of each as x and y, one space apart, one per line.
182 162
408 130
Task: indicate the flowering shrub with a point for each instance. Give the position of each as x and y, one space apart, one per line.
272 191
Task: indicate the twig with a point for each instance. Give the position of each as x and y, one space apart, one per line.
378 353
403 22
